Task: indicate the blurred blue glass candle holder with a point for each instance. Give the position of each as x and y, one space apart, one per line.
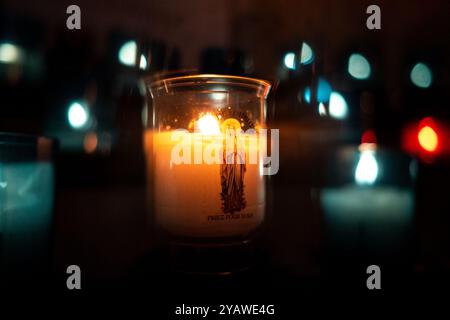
26 205
368 204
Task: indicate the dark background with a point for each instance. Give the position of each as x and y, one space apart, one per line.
100 212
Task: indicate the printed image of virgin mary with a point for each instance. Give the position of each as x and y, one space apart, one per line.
232 180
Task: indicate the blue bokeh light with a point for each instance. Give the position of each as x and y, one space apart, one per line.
323 91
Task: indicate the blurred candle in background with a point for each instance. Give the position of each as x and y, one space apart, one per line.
26 202
373 215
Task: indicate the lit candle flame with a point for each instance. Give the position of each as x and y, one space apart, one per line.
208 125
367 169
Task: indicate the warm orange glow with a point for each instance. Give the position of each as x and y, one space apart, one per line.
428 139
90 142
230 124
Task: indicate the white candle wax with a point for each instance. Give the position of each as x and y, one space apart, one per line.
188 197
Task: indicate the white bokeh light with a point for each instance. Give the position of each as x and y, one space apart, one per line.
366 172
78 115
143 62
289 60
338 106
9 53
322 110
127 53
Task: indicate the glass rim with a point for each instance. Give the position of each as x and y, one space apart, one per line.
219 79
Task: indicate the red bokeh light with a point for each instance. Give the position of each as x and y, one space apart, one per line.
369 137
426 139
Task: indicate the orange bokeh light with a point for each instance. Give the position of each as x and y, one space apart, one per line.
90 142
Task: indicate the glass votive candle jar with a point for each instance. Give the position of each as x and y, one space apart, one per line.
26 206
368 205
203 151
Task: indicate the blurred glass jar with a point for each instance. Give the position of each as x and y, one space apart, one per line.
26 205
368 204
216 206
